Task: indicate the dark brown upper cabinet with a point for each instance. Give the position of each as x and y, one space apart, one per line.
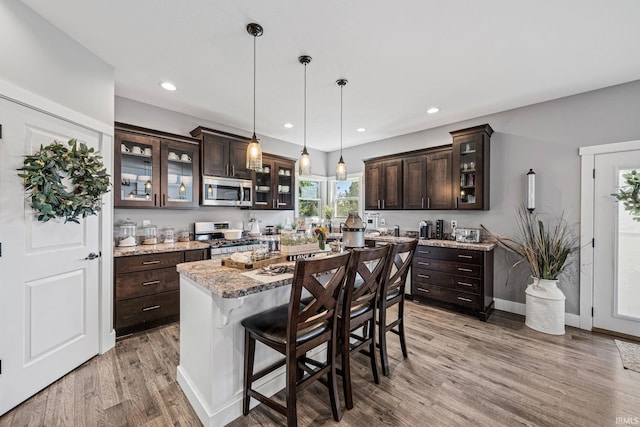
383 184
223 154
427 181
275 184
154 169
471 155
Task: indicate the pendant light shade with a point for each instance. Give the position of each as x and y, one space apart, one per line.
341 168
304 168
254 152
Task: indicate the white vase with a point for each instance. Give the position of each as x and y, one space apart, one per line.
545 307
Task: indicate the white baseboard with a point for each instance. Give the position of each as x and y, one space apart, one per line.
519 308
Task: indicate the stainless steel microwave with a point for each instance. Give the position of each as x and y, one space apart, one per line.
226 192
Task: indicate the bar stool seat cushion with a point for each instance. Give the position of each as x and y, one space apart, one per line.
272 325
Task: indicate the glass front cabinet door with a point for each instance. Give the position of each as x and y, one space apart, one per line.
274 183
153 171
181 182
471 154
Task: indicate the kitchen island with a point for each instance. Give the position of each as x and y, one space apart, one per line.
213 301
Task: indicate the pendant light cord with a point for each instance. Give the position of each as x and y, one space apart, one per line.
305 106
254 84
341 87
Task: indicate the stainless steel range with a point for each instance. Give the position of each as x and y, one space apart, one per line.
210 232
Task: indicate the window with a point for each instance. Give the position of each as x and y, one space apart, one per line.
309 197
346 196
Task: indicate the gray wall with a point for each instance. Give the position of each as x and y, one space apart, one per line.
38 57
149 116
545 137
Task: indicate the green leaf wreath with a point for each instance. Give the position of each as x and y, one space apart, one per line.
629 195
46 172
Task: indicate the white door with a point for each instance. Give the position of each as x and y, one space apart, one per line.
48 289
616 265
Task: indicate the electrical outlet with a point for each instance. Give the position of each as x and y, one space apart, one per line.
382 221
454 223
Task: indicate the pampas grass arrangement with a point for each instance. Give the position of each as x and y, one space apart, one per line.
545 249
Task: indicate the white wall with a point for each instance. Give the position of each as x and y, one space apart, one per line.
37 57
545 137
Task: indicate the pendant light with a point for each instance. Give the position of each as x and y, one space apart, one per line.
254 152
305 160
341 168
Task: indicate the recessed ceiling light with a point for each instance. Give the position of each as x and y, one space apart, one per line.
361 129
433 110
288 125
168 86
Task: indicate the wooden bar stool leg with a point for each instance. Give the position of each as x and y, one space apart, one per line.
372 349
346 370
290 391
403 343
333 383
382 332
249 353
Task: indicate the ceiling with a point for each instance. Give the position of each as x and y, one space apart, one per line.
467 57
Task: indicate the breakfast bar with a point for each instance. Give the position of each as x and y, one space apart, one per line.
213 301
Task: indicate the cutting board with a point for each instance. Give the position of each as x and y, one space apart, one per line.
228 262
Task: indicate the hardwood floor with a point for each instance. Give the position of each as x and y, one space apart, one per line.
460 371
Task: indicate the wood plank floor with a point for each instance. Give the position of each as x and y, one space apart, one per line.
460 372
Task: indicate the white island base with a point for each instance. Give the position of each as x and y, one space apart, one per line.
212 350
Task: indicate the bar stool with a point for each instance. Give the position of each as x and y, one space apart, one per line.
365 276
295 329
392 293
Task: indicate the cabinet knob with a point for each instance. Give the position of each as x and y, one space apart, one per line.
465 299
153 307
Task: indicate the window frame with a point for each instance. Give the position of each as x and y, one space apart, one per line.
322 180
333 199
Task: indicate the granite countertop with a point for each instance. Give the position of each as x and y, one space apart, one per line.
228 282
159 248
483 246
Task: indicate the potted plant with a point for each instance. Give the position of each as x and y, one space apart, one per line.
546 250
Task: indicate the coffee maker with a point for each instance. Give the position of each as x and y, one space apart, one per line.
425 229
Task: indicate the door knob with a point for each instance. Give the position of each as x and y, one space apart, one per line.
92 255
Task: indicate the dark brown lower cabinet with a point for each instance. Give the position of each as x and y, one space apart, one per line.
461 277
147 289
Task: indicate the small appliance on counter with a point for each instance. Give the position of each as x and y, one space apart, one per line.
468 235
372 219
440 229
425 229
353 231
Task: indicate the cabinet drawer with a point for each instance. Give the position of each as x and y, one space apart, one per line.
449 254
459 283
196 255
448 295
150 282
146 309
147 262
462 269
